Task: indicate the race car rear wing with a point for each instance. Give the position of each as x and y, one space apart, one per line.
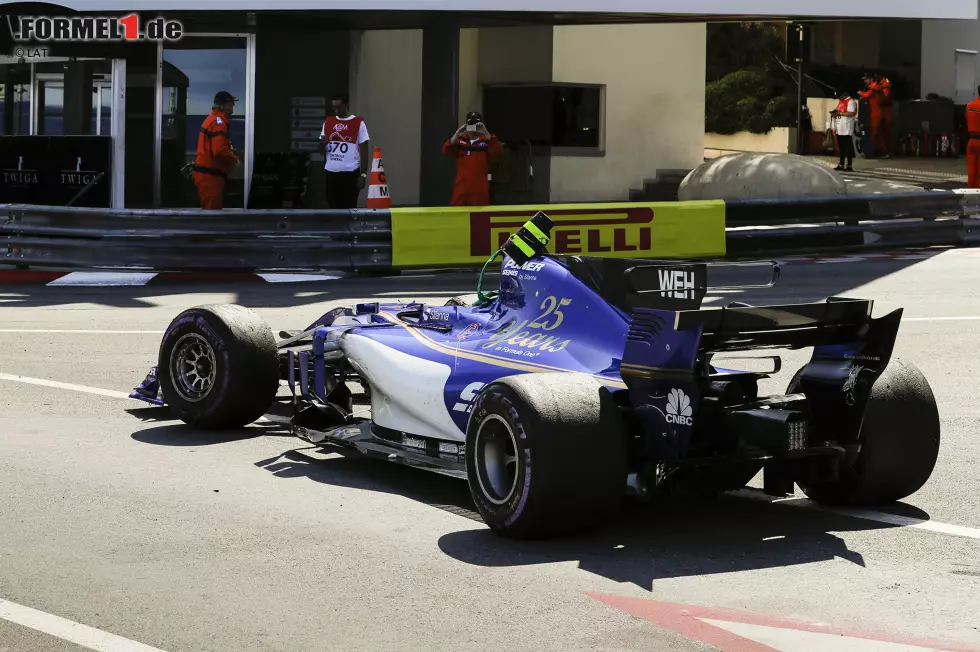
630 283
786 326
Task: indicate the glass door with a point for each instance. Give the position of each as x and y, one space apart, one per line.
101 108
16 80
50 105
50 90
192 71
32 97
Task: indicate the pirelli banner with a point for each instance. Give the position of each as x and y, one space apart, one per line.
438 237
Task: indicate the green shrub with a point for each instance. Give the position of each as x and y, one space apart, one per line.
745 100
747 87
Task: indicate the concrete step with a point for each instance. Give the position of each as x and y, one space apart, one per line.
662 188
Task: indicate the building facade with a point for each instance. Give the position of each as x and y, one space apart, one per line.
588 105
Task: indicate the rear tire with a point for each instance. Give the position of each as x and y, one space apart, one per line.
899 439
546 455
218 366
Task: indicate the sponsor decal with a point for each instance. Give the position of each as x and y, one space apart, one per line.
436 315
582 231
472 329
465 401
78 178
452 449
412 442
512 269
527 333
677 284
21 176
462 235
851 384
529 266
679 408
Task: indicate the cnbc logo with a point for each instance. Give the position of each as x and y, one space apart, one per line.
575 231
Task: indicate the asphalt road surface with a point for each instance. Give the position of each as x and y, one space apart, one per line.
122 530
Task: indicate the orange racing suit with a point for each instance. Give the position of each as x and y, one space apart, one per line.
473 159
973 146
886 115
215 160
874 112
879 97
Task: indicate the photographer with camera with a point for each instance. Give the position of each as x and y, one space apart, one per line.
475 148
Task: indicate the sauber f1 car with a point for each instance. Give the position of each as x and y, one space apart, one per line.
578 381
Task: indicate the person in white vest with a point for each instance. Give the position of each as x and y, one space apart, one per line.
345 139
845 118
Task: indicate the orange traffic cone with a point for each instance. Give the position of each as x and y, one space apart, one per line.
378 190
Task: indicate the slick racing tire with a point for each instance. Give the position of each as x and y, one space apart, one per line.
546 455
899 441
218 366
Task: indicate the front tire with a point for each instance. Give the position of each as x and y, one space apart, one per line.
546 455
218 366
899 442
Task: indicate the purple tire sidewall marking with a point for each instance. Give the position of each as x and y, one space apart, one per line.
518 502
196 322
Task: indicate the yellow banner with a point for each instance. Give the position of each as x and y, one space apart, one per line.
435 237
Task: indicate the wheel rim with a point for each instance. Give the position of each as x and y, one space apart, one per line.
192 367
496 459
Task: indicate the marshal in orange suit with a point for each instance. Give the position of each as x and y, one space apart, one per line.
886 119
474 148
215 157
973 146
878 93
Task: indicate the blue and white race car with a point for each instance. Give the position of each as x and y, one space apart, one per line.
577 381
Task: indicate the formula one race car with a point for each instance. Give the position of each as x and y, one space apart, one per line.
578 381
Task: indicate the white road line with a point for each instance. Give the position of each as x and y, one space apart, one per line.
103 279
795 640
104 392
962 318
78 330
67 630
70 386
298 278
864 514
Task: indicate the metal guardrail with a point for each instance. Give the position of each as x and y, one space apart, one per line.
851 222
362 240
849 208
194 240
900 233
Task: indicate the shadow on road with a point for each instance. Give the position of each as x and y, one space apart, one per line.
684 538
183 435
352 470
644 543
251 295
799 282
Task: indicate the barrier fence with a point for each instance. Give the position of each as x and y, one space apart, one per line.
421 238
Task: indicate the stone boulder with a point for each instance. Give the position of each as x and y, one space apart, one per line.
751 175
